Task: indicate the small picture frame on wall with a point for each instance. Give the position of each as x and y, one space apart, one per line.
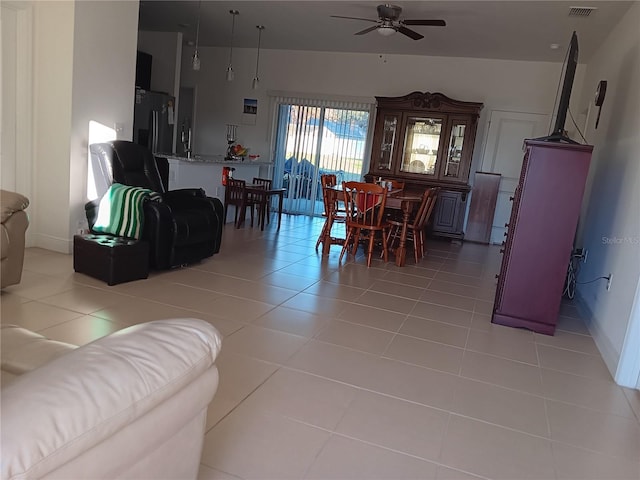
250 111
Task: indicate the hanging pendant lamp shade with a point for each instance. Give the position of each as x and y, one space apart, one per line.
195 61
256 80
230 73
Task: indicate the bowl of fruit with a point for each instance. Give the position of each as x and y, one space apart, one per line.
239 151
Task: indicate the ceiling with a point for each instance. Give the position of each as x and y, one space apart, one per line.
516 29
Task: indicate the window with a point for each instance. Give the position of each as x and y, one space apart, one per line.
316 137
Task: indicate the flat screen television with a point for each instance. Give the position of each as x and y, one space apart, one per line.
143 70
557 135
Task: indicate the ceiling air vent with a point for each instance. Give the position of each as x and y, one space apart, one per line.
581 11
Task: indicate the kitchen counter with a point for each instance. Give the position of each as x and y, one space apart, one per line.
205 158
205 171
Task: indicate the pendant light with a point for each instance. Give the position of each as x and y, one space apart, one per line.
230 73
195 61
256 80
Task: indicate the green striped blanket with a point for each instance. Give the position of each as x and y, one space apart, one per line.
120 211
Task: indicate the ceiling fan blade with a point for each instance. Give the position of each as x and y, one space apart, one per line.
366 30
410 33
426 23
354 18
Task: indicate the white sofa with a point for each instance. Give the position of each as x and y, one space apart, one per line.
129 405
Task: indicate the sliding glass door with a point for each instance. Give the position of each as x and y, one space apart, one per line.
312 140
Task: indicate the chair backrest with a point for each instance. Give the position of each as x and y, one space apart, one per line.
328 180
235 191
264 182
429 198
129 164
365 203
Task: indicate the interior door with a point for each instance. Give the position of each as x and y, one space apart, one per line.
503 154
8 145
16 152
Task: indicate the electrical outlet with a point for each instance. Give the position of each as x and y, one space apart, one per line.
609 278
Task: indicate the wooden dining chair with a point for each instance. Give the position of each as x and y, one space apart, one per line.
331 207
395 185
417 226
261 201
364 204
236 194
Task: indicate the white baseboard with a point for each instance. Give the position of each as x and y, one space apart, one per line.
609 354
55 244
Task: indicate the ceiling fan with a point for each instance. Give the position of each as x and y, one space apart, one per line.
389 22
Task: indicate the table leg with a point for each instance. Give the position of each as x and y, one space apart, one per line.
401 252
263 212
330 204
241 214
326 241
280 200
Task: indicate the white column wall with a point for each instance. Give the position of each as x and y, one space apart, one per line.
53 42
83 69
104 68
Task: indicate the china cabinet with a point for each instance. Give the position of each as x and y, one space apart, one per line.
425 140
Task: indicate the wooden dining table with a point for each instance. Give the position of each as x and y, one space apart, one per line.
396 200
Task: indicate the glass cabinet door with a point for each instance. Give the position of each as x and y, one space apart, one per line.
421 145
389 134
454 164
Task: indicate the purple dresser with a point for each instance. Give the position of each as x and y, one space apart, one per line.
540 235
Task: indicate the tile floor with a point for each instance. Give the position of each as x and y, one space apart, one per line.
354 372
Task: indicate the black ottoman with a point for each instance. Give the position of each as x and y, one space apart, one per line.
111 259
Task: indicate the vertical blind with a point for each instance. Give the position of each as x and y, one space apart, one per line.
315 136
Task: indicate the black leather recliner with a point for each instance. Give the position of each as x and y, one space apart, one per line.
184 228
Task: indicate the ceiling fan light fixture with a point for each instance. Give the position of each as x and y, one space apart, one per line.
386 30
389 22
195 61
230 74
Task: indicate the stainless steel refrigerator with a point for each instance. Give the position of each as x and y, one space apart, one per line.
153 120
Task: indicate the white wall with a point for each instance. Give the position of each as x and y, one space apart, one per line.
611 222
53 41
164 47
104 66
499 84
83 69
